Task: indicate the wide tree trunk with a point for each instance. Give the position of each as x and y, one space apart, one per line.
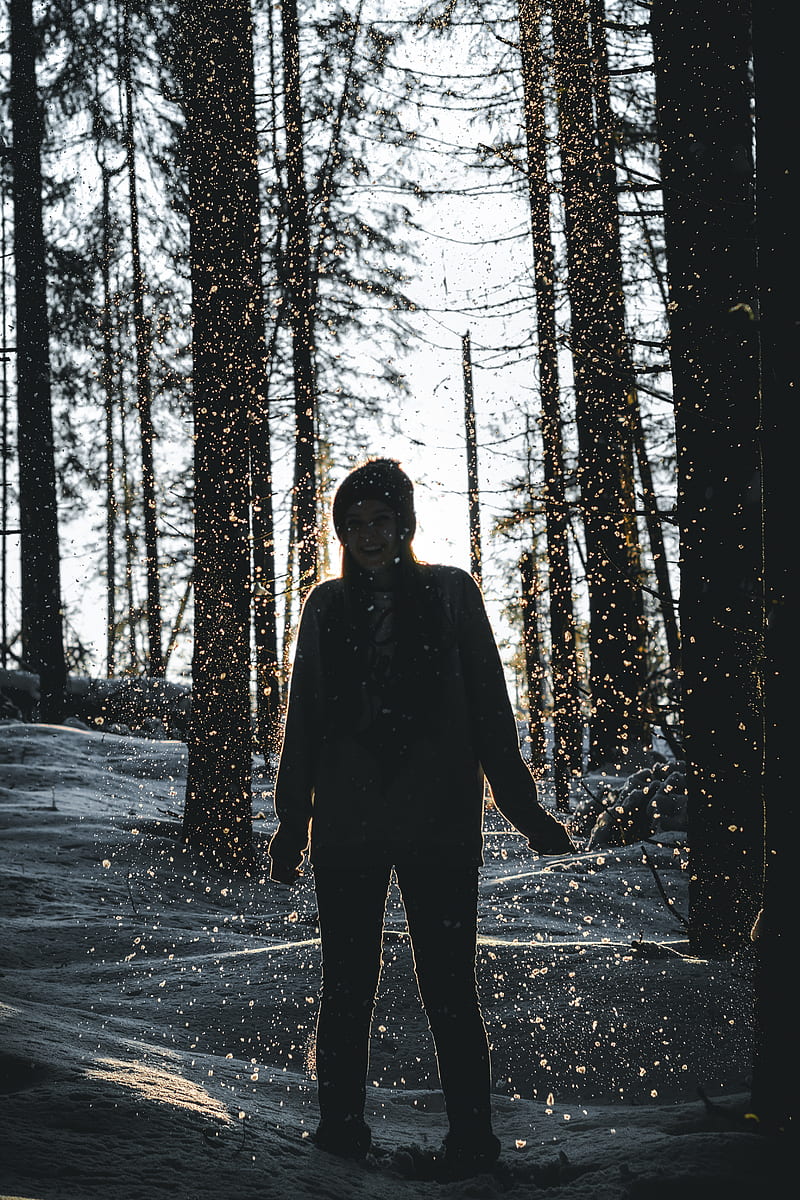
567 721
774 1099
228 382
705 135
601 372
40 580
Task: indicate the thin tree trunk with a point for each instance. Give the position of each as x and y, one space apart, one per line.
534 666
606 127
701 59
229 385
265 614
774 1099
288 599
4 446
601 372
179 618
473 492
155 664
107 375
129 535
653 517
42 626
567 747
300 300
656 537
265 611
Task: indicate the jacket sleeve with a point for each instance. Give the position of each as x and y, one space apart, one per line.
294 785
495 729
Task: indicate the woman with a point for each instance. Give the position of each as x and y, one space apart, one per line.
397 707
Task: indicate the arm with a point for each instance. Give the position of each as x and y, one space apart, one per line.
294 786
495 730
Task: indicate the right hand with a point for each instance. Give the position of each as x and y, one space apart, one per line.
286 856
283 873
551 837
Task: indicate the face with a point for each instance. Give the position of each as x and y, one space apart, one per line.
370 534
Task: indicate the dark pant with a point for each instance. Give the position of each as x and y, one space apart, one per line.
440 900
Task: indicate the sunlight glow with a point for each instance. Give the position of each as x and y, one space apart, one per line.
153 1083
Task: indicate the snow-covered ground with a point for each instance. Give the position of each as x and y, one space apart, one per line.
157 1021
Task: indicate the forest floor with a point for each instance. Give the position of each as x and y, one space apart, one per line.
158 1020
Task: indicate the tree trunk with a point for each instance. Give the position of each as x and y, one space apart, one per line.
611 253
107 376
656 538
567 723
42 628
141 322
653 518
300 300
288 601
602 378
269 690
4 432
473 491
177 628
534 667
265 613
228 316
705 134
774 1099
129 534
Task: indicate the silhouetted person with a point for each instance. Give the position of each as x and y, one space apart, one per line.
397 706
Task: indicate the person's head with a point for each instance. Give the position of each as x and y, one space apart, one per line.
373 515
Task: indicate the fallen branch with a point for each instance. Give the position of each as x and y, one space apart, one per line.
663 894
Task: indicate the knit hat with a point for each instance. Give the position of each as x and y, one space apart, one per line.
379 479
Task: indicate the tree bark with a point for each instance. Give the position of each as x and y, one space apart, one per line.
774 1099
534 666
5 450
40 581
300 292
705 135
128 531
228 383
473 491
601 374
567 722
656 538
107 376
265 613
142 330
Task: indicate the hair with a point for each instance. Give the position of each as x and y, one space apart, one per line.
419 614
377 479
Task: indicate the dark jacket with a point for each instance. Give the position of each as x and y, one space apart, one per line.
336 781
